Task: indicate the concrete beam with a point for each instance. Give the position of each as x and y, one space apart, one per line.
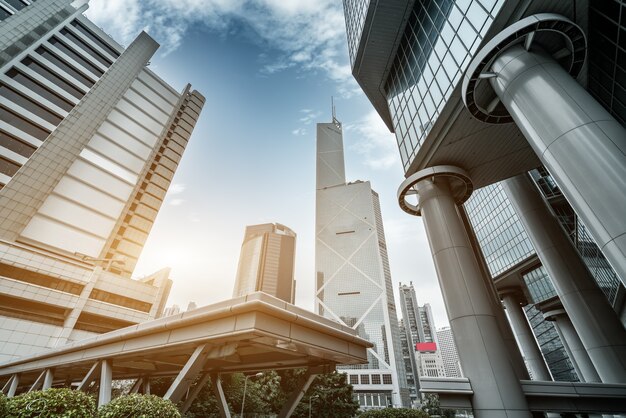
39 382
48 379
106 380
216 383
297 394
194 392
12 385
92 374
187 374
136 386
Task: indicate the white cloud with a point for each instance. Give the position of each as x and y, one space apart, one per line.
176 188
374 142
177 202
299 132
309 35
309 116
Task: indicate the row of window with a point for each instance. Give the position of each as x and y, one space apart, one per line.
15 5
367 379
438 42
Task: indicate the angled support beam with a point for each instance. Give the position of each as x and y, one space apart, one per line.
136 386
106 380
297 394
48 379
216 383
90 376
187 374
194 365
39 382
145 387
14 383
194 392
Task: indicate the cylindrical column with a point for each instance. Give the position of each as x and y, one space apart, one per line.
573 345
515 355
48 379
482 351
578 141
597 324
525 337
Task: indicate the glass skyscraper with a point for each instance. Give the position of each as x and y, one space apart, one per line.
492 103
352 272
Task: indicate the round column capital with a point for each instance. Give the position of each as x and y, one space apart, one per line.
479 97
461 186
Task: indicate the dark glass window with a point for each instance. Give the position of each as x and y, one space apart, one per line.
95 38
4 14
82 61
8 168
39 89
64 66
69 35
16 4
15 145
53 78
28 104
23 124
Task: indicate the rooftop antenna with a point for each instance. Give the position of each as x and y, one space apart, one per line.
332 104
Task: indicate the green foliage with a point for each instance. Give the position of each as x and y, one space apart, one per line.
4 408
139 406
58 403
330 396
394 413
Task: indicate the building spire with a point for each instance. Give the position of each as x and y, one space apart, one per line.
332 107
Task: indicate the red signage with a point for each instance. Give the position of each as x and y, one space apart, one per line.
424 347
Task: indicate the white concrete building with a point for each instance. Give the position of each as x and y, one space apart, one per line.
90 139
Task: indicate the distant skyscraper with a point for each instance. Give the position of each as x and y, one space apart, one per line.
353 277
447 348
429 360
90 139
171 310
266 262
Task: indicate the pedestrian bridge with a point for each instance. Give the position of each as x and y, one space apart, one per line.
246 334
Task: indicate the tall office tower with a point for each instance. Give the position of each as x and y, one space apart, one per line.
266 262
448 351
429 360
410 365
90 139
353 277
419 328
458 83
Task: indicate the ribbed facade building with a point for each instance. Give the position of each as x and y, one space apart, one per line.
90 139
353 280
266 262
510 124
449 354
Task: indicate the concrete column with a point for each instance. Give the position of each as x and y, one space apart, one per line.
13 384
525 336
48 379
579 142
594 319
574 346
106 380
482 351
515 355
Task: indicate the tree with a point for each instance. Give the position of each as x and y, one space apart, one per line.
331 396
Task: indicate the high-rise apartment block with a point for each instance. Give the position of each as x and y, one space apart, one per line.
90 139
353 277
449 355
266 262
509 118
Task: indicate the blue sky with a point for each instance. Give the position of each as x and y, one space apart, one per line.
268 69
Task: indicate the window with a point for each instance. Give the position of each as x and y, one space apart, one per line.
365 379
39 89
53 78
64 66
29 104
375 379
387 379
354 379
